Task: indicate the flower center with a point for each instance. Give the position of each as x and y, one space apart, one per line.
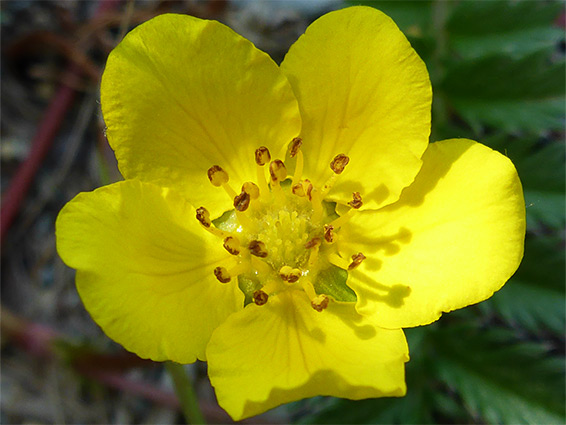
282 234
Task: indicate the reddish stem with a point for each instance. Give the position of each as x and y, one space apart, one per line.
50 124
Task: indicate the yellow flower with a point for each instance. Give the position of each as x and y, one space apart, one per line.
284 223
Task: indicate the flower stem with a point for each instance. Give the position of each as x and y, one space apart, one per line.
186 393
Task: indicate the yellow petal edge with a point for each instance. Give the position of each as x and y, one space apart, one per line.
284 351
180 94
364 92
455 237
144 269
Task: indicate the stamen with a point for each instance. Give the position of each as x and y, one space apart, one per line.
217 175
313 256
295 150
316 202
257 248
260 266
298 190
242 201
356 260
232 245
295 145
313 243
309 188
222 274
337 260
225 276
262 157
260 297
251 189
329 233
337 166
339 163
289 274
356 203
277 171
320 302
203 216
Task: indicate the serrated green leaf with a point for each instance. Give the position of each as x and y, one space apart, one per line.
534 297
517 28
511 95
500 381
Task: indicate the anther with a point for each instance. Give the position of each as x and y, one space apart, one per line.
309 189
356 260
314 242
294 146
262 156
257 248
222 274
298 190
260 297
356 202
217 175
277 171
339 163
204 217
329 233
232 245
251 189
320 302
242 201
289 274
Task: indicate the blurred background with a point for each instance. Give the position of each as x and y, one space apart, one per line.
498 74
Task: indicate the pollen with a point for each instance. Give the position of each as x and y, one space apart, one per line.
257 248
251 189
339 163
260 297
277 171
242 201
356 203
217 175
262 156
204 217
232 245
294 147
320 303
329 233
356 260
222 274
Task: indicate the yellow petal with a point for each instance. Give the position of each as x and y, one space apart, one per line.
180 94
145 269
363 91
283 351
454 237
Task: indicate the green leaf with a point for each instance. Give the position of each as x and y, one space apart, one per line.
516 28
412 17
534 297
511 95
500 381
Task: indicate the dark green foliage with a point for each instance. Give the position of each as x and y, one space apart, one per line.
498 74
508 94
534 299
